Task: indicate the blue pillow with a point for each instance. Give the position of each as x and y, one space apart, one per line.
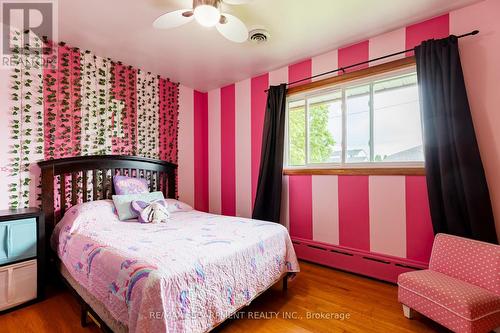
122 203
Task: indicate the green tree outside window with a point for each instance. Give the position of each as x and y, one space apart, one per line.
321 141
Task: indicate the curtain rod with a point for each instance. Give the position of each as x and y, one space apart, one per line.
475 32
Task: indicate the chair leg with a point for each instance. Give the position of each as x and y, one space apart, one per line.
407 311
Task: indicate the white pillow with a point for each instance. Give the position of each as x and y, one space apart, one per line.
174 206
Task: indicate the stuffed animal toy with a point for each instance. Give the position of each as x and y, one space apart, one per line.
152 212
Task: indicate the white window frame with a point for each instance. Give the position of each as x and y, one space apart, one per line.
343 164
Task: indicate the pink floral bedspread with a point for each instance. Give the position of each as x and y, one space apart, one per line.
186 275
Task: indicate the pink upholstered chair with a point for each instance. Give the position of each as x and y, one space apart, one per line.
461 288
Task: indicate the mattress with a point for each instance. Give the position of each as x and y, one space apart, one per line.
186 275
93 302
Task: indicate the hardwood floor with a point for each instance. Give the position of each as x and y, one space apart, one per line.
371 306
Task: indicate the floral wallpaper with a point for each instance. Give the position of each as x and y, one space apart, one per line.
26 122
85 105
147 122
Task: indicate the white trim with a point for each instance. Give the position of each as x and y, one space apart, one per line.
185 169
365 165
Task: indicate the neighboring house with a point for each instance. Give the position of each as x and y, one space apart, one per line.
412 154
352 155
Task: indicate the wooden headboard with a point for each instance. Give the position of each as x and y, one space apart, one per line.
89 178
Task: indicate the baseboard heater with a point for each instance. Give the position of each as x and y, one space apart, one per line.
373 265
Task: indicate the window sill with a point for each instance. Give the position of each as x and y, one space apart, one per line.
384 171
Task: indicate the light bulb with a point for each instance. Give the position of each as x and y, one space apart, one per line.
206 15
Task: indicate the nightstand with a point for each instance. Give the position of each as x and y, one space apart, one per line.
22 257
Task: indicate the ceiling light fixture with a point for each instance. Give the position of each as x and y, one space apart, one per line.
207 15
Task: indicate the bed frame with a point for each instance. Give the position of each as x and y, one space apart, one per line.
69 181
92 175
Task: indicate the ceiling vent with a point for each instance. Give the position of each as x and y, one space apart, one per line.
258 36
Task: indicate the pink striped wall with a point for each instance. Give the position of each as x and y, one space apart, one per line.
299 71
325 209
354 212
437 27
419 233
200 161
243 153
300 209
353 54
214 151
300 187
388 43
385 215
185 170
228 153
349 211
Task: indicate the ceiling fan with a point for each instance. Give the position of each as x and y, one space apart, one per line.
208 14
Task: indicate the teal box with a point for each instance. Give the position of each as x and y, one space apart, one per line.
17 240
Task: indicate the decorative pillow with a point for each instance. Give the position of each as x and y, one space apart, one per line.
174 206
122 203
130 185
152 212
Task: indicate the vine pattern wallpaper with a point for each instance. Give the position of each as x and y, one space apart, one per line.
26 122
84 105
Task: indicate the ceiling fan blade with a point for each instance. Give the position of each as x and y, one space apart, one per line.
173 19
237 2
232 28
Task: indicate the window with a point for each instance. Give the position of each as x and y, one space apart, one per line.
374 122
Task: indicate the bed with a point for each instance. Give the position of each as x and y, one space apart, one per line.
187 275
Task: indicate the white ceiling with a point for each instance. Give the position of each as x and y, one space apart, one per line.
202 59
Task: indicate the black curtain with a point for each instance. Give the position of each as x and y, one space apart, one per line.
268 197
458 193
